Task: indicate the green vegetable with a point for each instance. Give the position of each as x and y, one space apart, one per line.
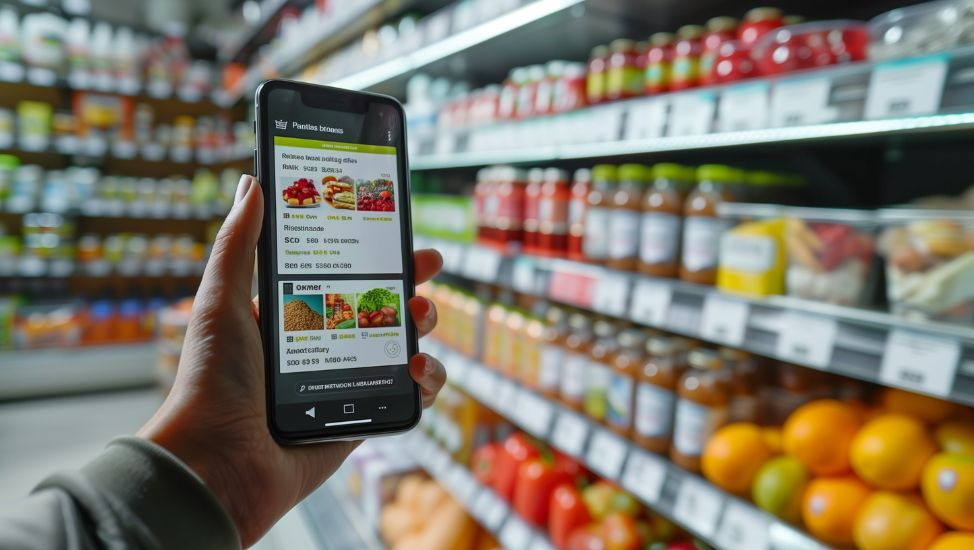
347 323
374 299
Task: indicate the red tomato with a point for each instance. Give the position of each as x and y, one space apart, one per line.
567 512
536 480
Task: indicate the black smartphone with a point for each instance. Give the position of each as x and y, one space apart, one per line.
335 263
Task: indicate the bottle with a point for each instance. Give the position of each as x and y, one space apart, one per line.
495 335
719 31
662 221
620 399
623 77
703 396
570 88
532 194
686 57
624 217
659 64
527 93
509 218
510 90
595 81
746 383
513 353
577 205
595 243
598 372
553 346
534 328
702 228
577 345
481 193
656 394
544 97
553 213
757 23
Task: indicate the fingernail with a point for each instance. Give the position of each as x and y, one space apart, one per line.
429 308
430 366
246 181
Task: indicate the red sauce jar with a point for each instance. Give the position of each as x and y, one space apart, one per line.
595 80
509 217
719 30
757 23
686 57
553 213
658 69
577 204
527 93
532 194
623 77
544 97
570 88
733 63
481 200
507 101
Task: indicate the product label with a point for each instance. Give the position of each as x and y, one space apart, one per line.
550 371
654 411
701 242
597 376
619 401
747 253
660 239
624 81
694 424
658 74
576 211
623 234
573 376
553 216
596 241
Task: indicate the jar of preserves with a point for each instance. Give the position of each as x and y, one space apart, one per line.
662 221
577 205
703 397
553 349
598 372
495 336
530 363
795 386
598 211
626 209
544 97
596 79
658 72
620 398
570 88
509 190
553 213
702 227
510 91
686 57
532 195
623 77
746 383
758 22
578 344
513 354
481 191
656 394
527 93
719 31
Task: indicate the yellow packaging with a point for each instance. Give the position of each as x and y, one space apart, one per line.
753 259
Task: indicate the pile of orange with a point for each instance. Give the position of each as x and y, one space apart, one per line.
895 476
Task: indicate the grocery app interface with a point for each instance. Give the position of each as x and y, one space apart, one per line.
339 260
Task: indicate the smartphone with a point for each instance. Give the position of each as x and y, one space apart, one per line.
335 263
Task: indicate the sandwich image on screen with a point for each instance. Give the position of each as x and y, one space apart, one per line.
339 192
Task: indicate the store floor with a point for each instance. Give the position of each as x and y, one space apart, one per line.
42 436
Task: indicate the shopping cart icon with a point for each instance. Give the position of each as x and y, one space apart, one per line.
280 124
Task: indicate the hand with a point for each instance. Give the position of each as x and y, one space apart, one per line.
214 420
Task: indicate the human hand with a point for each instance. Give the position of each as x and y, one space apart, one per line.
215 419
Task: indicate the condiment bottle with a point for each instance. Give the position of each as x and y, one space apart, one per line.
533 340
757 23
662 221
577 205
512 356
703 396
507 102
473 309
686 57
626 203
595 81
532 194
577 345
656 394
544 97
623 77
719 30
528 91
598 372
620 399
598 212
553 347
570 88
552 237
495 335
702 228
481 193
746 384
659 63
509 190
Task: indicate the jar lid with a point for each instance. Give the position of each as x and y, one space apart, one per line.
632 338
622 45
535 175
762 14
661 346
579 321
536 72
689 32
721 24
604 328
555 174
599 51
582 174
9 162
703 358
669 170
632 172
661 39
715 172
555 67
604 172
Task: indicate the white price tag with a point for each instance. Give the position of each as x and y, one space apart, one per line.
698 506
907 87
465 486
651 302
644 476
920 363
646 118
744 107
806 339
439 463
611 294
724 320
570 433
801 101
11 72
743 528
523 275
506 398
494 511
692 113
481 264
606 454
515 535
452 256
482 384
535 414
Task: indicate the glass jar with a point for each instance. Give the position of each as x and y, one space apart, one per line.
553 349
662 221
598 212
703 397
686 57
758 22
495 336
595 81
530 363
577 205
482 192
544 97
532 195
507 102
658 73
509 190
626 204
620 398
719 31
527 93
570 88
553 213
513 354
746 385
578 344
623 77
656 394
598 372
702 226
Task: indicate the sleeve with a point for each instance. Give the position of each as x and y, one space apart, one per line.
134 495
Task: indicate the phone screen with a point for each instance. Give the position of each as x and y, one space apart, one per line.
339 246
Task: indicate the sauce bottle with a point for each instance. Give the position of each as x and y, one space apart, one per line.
746 382
552 351
623 77
595 81
598 372
570 88
659 63
719 30
598 211
481 192
495 337
527 93
626 204
509 191
507 102
534 328
577 205
512 356
703 396
702 228
686 57
662 221
577 345
757 23
532 194
656 394
553 213
620 399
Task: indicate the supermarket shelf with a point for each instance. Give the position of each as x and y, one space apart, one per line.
335 520
249 37
481 501
708 512
34 373
931 358
101 150
95 209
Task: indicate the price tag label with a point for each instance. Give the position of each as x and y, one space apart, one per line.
506 398
920 363
692 114
464 486
651 302
523 276
572 287
644 476
515 534
570 433
698 506
744 107
482 264
494 511
611 295
482 383
801 101
452 257
606 454
807 339
724 320
646 118
743 528
535 414
907 87
439 463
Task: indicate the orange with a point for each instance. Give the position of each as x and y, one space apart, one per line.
889 521
889 452
948 488
955 437
734 455
830 507
928 409
953 541
819 434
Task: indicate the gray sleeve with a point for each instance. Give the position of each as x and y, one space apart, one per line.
134 495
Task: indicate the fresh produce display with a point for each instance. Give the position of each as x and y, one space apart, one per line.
301 193
338 311
338 192
378 308
376 196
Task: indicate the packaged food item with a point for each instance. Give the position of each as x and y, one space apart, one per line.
513 352
544 97
595 82
718 31
921 28
703 399
733 62
553 349
830 255
570 88
578 343
810 45
624 216
508 99
482 193
553 213
495 336
7 127
598 211
702 226
758 22
42 38
532 196
598 371
48 325
746 385
509 209
577 205
662 220
8 174
9 35
626 364
656 394
752 250
623 77
529 366
659 63
929 263
686 57
34 124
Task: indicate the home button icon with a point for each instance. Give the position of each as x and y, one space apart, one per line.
349 408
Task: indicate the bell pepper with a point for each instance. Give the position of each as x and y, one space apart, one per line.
516 450
536 480
484 461
566 513
572 467
620 532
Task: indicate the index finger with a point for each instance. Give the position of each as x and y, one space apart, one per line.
427 263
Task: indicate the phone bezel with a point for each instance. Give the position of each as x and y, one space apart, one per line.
266 261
